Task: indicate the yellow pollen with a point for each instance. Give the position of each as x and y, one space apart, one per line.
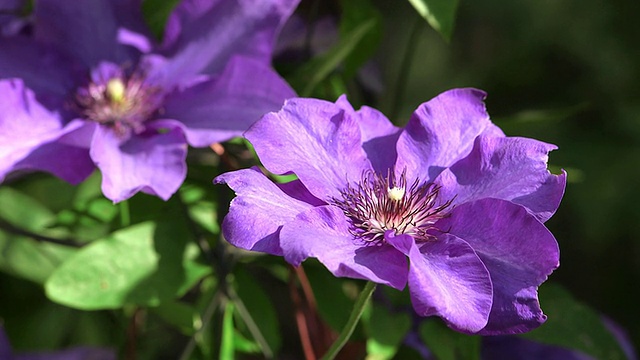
395 193
116 90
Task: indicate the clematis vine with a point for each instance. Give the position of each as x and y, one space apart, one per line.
91 88
447 205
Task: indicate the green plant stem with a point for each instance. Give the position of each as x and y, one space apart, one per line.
205 318
358 308
125 216
40 238
251 324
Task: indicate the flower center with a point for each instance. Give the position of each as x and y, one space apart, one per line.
122 102
379 203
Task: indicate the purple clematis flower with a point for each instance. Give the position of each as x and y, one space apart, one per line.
448 205
91 88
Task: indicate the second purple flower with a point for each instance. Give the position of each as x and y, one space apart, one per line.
91 88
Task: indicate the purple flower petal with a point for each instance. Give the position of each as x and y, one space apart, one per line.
152 162
519 252
70 163
313 139
373 123
512 169
88 30
379 135
297 190
323 233
43 70
28 130
201 36
441 131
257 213
447 279
219 109
513 347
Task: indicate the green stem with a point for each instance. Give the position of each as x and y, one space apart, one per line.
251 324
125 216
358 308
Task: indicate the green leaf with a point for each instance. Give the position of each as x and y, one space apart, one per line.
333 304
354 14
180 315
307 78
25 258
447 344
440 14
156 12
19 254
143 264
573 325
381 343
23 211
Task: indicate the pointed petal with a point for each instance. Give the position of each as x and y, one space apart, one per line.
201 36
313 139
512 169
323 233
441 131
258 211
518 251
89 30
152 162
447 279
221 108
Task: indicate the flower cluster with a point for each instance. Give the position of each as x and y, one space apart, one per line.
90 87
448 205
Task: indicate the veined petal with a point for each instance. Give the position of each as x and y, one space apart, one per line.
152 162
519 253
379 135
447 279
258 211
323 233
441 131
221 108
89 30
313 139
513 169
373 123
201 36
